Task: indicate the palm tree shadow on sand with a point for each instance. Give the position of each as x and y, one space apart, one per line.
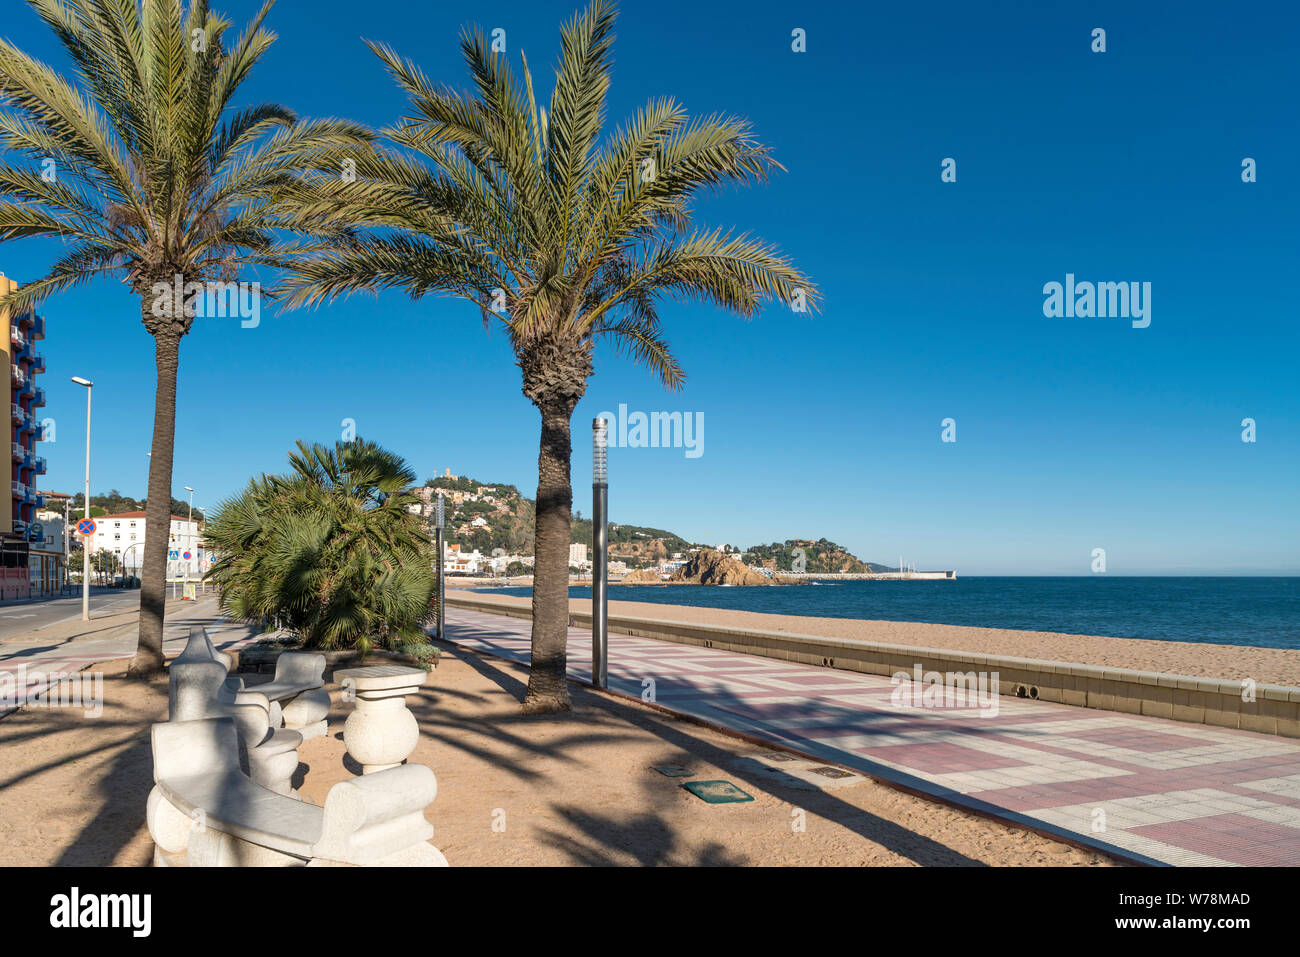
649 837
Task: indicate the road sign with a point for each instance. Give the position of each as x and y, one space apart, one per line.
174 554
186 556
86 527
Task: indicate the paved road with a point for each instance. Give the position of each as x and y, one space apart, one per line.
20 618
66 644
1161 791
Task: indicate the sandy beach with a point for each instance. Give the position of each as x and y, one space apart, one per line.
1263 665
572 789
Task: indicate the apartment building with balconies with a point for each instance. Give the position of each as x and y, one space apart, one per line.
19 525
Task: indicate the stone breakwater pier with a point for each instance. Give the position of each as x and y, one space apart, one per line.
875 576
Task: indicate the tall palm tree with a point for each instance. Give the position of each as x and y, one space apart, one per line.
144 169
332 551
563 239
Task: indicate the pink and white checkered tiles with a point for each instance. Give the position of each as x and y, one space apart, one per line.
1156 790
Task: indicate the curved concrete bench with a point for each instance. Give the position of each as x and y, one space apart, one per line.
199 648
200 645
269 754
204 812
298 689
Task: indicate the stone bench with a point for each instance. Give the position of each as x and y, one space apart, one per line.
199 647
295 695
298 689
203 811
198 688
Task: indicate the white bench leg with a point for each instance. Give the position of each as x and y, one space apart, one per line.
418 855
213 848
307 713
169 828
274 771
380 733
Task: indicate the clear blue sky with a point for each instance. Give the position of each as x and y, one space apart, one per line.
1072 434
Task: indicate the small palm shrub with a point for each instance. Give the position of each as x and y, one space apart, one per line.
330 552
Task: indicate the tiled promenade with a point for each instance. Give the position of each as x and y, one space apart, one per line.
1157 790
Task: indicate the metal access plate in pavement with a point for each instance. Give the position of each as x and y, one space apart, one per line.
717 792
789 771
672 770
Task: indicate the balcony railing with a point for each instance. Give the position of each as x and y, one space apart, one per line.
27 386
29 424
38 465
16 337
38 399
39 500
16 412
17 374
18 450
38 363
38 327
20 489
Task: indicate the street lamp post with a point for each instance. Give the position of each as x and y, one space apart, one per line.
134 568
189 536
600 556
439 521
67 541
203 510
85 545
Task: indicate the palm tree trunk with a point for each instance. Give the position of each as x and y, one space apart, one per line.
158 509
548 690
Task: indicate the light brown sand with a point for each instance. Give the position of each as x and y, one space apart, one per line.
1264 665
570 789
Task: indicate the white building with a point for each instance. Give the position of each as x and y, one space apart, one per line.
457 562
47 560
577 554
123 535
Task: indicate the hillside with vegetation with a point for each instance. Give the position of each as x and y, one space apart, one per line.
505 516
115 503
822 556
637 545
505 521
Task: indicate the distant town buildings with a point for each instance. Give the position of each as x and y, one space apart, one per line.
461 561
124 534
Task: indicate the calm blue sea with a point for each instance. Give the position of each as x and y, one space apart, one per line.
1224 611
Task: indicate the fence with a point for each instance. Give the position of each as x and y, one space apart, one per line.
177 588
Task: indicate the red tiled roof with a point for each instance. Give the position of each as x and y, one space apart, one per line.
100 518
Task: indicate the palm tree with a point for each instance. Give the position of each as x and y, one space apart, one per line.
144 169
566 241
333 551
